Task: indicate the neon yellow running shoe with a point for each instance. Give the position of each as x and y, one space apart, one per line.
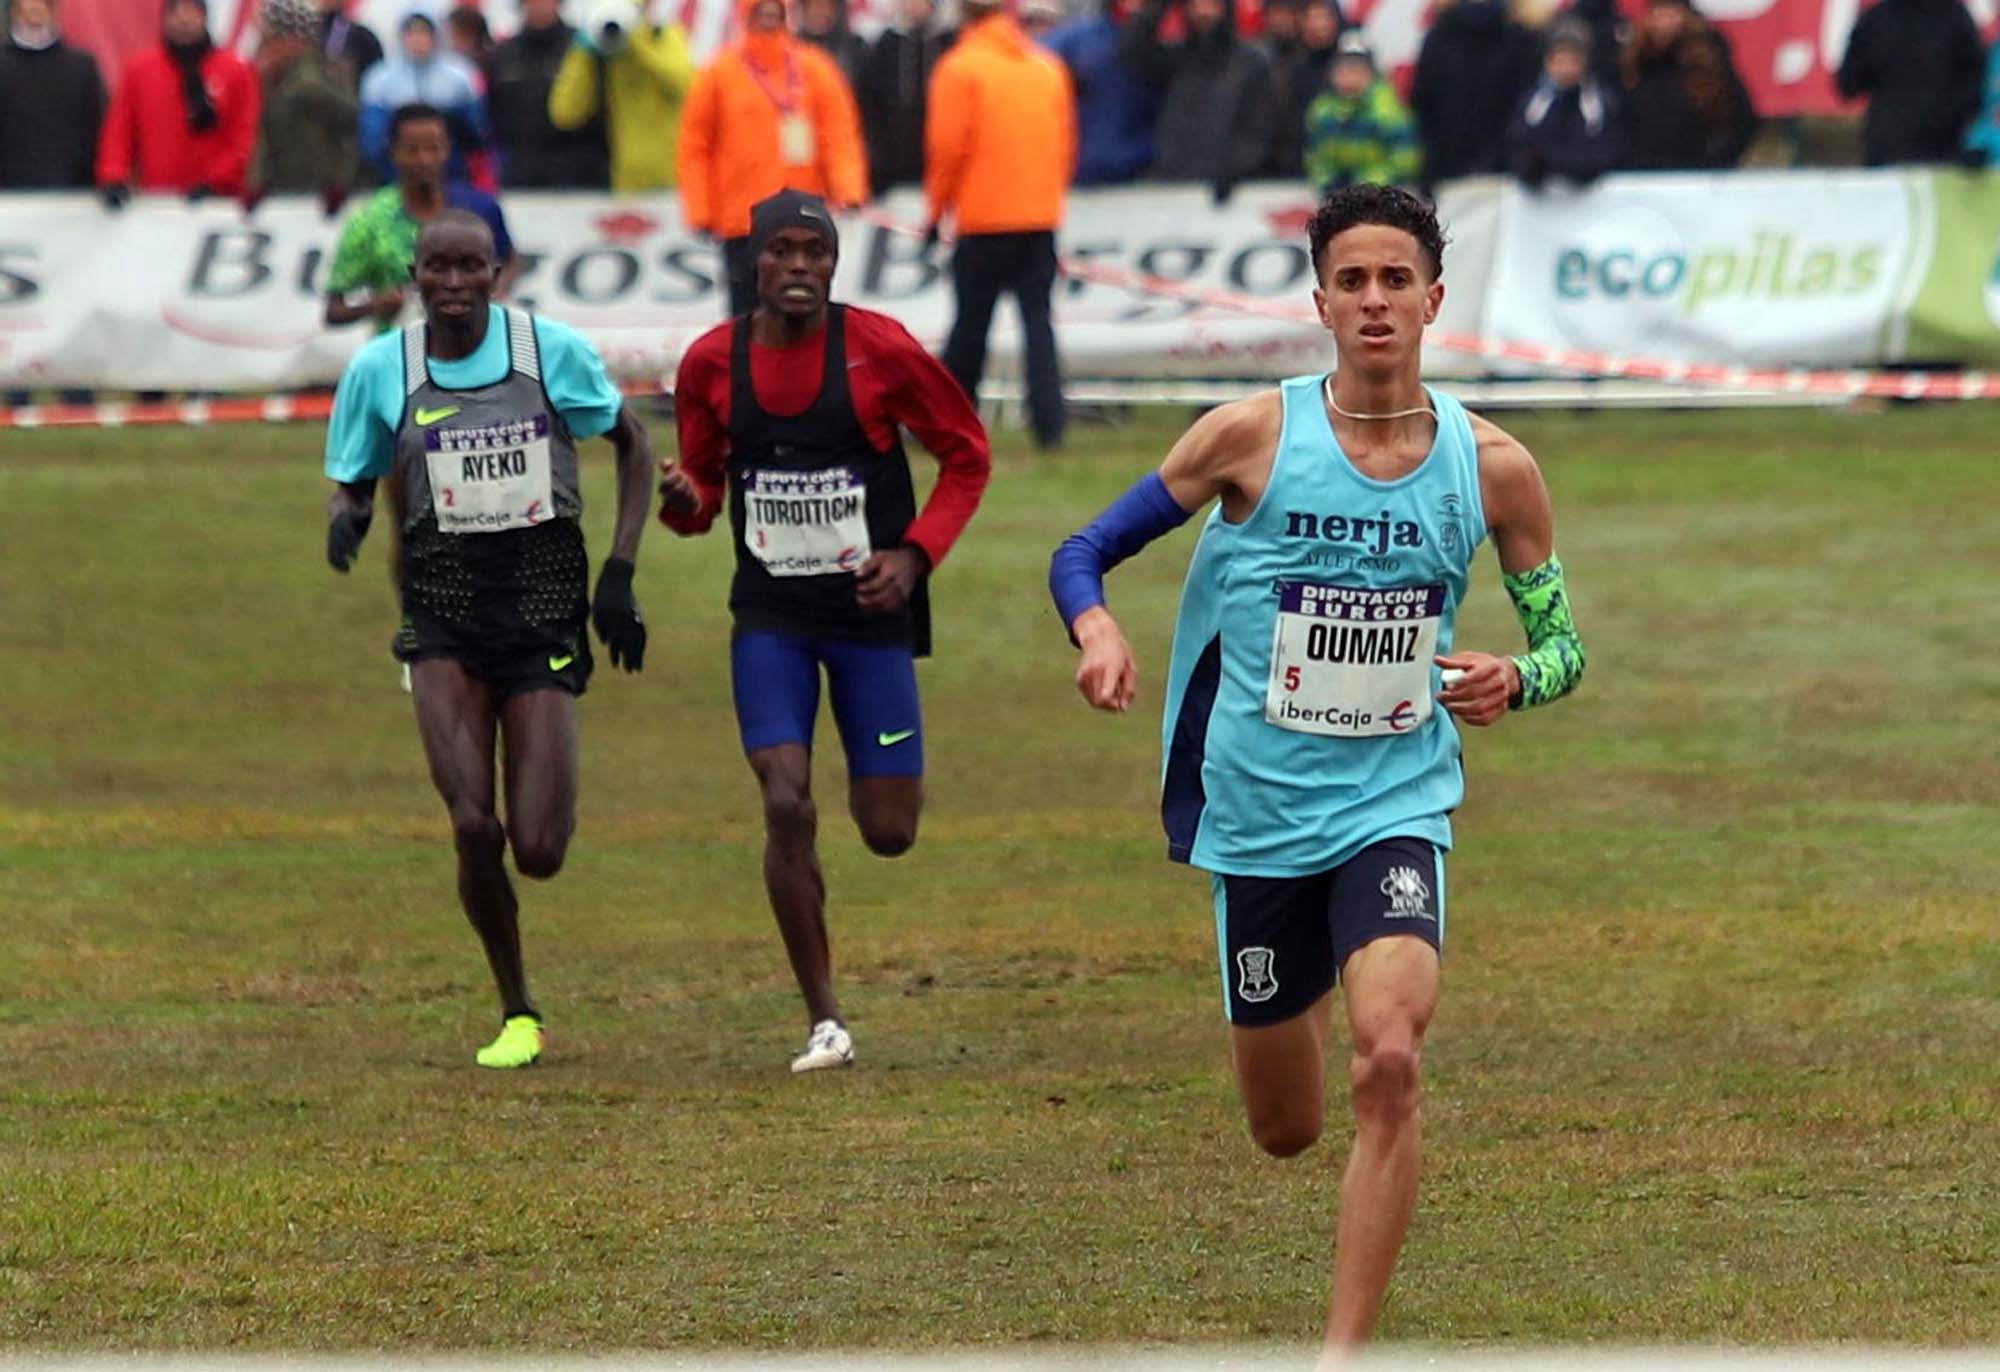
519 1044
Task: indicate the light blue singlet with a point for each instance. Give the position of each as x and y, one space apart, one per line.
1301 721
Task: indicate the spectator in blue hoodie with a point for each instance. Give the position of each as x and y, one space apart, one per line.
423 72
1115 110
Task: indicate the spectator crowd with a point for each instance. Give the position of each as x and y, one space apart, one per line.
1165 90
993 116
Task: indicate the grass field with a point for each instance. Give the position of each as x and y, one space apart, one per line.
1716 1061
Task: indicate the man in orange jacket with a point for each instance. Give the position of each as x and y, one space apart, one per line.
771 113
1000 149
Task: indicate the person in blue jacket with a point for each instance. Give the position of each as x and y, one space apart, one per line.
1115 110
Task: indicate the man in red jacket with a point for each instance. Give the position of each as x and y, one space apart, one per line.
793 415
184 120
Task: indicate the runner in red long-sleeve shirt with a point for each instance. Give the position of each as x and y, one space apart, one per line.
793 414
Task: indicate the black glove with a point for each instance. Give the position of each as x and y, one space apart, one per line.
344 533
615 615
115 196
199 193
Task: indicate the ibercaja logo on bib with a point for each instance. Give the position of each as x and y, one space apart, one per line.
1352 661
806 523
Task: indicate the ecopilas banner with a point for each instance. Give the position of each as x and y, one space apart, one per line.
1780 269
169 296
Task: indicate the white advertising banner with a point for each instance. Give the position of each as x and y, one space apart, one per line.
170 296
1778 269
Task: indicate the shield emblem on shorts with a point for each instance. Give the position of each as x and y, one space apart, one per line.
1254 981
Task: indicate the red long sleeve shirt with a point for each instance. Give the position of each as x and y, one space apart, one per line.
893 382
146 139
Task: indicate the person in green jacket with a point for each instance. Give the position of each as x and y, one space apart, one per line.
308 136
1358 131
642 73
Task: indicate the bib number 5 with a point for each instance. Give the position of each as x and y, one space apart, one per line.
1351 661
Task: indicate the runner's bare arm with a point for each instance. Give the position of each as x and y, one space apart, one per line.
1522 523
635 470
1227 455
1517 503
613 610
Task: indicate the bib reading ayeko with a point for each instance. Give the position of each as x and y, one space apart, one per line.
489 477
1350 661
806 523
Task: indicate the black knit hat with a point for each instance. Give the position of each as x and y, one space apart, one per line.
791 210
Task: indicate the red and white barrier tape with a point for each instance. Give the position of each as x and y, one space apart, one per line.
268 409
1851 384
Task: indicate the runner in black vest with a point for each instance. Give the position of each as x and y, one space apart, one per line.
474 418
791 415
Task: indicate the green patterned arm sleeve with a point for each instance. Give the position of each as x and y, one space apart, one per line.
1554 661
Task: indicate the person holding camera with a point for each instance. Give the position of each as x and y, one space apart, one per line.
771 113
636 76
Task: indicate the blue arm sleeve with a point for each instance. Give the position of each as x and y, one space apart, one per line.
1142 514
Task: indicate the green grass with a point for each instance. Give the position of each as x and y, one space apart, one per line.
1716 1059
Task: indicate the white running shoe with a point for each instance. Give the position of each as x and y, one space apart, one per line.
829 1046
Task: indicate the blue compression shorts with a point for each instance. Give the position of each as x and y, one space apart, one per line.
874 690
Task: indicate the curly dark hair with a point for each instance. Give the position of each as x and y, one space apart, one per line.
1390 206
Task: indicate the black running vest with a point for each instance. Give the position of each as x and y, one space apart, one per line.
810 497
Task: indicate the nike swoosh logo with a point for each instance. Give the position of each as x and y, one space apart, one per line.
885 739
556 664
425 416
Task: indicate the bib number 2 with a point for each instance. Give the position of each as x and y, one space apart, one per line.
1353 662
490 477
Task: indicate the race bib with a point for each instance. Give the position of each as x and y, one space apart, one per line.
795 139
1352 663
806 523
489 477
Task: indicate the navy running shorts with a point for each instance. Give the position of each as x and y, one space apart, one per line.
874 691
1284 940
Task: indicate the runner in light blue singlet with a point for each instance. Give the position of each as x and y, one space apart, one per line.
1255 786
1315 694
